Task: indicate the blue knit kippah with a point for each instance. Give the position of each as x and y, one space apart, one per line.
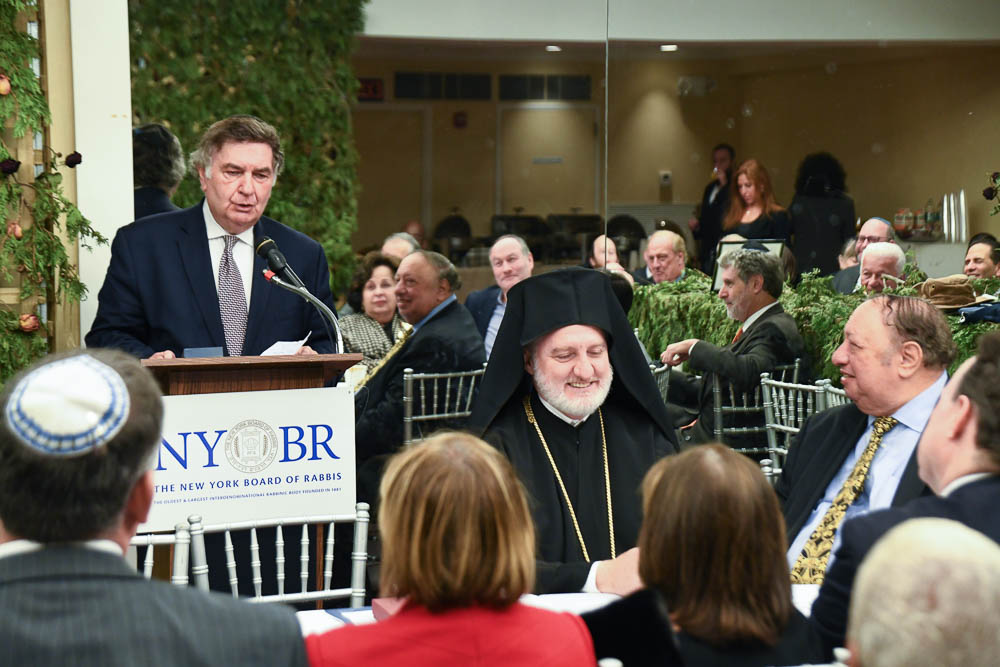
68 407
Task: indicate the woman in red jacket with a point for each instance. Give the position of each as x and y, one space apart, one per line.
458 545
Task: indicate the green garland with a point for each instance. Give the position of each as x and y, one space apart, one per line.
32 254
286 62
671 312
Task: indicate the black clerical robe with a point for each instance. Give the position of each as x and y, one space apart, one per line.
634 444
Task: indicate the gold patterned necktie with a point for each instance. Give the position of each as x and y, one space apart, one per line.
811 565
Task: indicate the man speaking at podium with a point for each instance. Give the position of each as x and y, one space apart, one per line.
190 278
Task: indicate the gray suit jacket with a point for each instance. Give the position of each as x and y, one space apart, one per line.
70 605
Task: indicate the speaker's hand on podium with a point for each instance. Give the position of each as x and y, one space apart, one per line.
165 354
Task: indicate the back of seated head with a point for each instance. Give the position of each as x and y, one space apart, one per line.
928 593
456 529
820 175
621 287
398 242
713 543
157 158
752 262
63 489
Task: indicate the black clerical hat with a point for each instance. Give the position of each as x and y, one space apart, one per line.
556 299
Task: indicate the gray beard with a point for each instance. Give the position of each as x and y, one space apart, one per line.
553 393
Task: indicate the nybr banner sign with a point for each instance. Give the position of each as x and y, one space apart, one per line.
254 455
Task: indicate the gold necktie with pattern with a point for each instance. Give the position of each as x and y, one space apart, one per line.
811 565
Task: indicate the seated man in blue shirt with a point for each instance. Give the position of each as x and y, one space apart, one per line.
862 456
512 262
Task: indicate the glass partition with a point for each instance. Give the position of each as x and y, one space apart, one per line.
909 122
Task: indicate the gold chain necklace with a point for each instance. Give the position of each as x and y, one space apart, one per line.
607 479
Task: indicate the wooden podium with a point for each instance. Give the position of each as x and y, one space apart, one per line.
209 375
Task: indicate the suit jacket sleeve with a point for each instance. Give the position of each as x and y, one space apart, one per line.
829 612
120 322
763 349
319 285
379 429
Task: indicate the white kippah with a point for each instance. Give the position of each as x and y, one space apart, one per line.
68 407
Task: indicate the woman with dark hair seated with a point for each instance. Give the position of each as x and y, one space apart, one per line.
712 554
458 545
375 325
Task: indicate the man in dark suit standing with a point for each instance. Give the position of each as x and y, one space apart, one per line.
443 338
512 262
191 279
752 281
861 456
707 227
78 440
959 459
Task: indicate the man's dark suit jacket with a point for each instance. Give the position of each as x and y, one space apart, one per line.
817 454
150 201
710 225
845 280
481 304
448 342
72 605
974 505
160 293
639 275
770 341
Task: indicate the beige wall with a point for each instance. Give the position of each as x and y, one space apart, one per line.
462 160
908 124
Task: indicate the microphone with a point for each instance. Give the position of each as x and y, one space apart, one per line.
282 275
276 261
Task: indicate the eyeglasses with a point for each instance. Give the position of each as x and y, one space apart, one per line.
872 239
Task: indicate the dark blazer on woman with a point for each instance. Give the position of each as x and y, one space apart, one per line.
638 631
768 226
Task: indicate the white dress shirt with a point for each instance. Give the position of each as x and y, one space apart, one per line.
886 469
242 251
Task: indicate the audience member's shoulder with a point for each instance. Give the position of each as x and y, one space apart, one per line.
154 224
236 612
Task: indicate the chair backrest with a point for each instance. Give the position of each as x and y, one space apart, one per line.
747 407
832 396
179 541
437 397
787 405
359 556
661 375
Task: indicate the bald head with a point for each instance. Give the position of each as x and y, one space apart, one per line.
875 230
665 255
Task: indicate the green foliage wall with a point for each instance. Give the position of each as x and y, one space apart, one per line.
286 61
35 215
671 312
